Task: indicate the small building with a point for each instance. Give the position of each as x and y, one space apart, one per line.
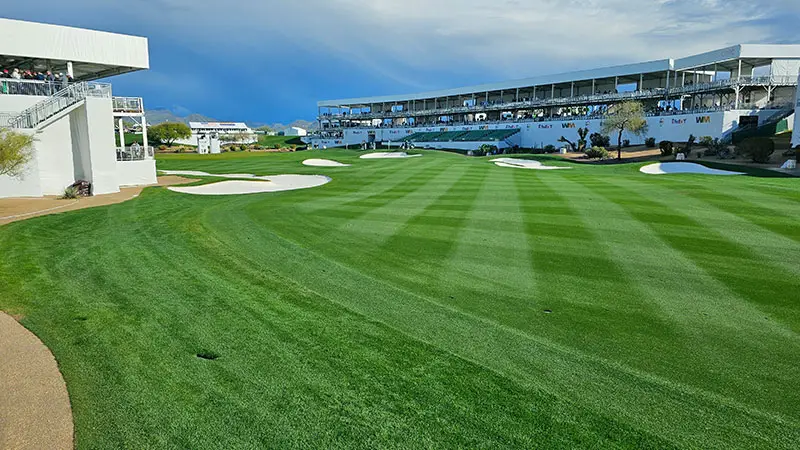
237 132
295 131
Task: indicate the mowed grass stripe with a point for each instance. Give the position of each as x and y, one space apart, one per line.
416 252
529 359
588 289
486 268
717 324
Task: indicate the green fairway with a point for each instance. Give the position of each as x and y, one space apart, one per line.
432 302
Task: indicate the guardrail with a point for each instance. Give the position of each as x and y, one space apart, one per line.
135 153
58 102
128 105
39 88
575 100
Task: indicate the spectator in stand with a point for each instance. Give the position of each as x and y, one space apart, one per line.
5 74
16 75
50 78
64 80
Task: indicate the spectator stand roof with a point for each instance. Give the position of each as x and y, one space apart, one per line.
93 54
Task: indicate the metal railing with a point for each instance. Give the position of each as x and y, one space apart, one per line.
573 100
128 105
135 153
11 86
58 102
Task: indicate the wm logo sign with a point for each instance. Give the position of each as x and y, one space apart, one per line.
704 119
568 125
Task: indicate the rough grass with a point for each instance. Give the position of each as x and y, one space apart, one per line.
405 303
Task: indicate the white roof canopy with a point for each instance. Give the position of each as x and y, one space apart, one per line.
94 54
754 53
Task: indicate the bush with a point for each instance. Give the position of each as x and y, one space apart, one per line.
626 143
70 192
598 140
550 149
666 148
276 146
650 142
162 147
706 141
597 153
715 148
759 149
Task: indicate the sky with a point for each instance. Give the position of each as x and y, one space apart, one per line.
272 60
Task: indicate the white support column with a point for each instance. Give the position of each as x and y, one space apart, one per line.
739 75
594 86
70 71
572 89
641 82
121 133
552 91
145 141
796 129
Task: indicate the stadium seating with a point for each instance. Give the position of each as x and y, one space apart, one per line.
462 136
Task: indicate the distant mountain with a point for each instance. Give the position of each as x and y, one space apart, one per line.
161 115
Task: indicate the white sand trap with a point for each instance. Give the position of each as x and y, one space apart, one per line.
323 163
524 164
275 183
198 173
388 155
683 167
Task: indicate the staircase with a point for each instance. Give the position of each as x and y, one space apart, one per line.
769 128
36 116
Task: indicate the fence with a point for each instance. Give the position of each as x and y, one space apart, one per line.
135 153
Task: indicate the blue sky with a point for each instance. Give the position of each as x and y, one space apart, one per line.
272 60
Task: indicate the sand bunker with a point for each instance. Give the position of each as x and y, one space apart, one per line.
524 164
323 163
259 184
388 155
683 167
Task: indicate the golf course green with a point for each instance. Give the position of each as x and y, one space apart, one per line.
431 302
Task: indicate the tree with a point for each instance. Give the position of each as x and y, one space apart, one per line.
16 150
622 117
265 129
169 132
581 145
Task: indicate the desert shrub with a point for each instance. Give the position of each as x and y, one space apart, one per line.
650 142
276 146
550 149
715 147
666 148
598 140
258 147
597 153
70 192
706 140
626 143
162 147
759 149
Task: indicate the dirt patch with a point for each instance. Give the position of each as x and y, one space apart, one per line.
15 209
34 405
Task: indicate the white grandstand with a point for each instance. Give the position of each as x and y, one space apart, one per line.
71 115
711 94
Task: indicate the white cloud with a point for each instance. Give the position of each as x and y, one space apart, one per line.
406 41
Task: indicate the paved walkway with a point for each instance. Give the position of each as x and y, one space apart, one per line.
14 209
35 412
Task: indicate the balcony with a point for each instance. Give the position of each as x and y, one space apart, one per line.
581 100
128 106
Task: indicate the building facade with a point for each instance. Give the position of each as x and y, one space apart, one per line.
710 94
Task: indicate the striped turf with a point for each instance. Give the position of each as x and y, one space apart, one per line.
403 305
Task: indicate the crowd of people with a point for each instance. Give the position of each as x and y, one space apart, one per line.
32 82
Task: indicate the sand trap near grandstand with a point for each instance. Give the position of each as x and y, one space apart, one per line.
323 163
388 155
524 164
683 167
259 184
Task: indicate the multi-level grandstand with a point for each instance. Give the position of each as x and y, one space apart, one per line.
710 94
71 114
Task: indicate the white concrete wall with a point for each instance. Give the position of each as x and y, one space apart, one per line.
796 129
99 130
136 173
55 159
